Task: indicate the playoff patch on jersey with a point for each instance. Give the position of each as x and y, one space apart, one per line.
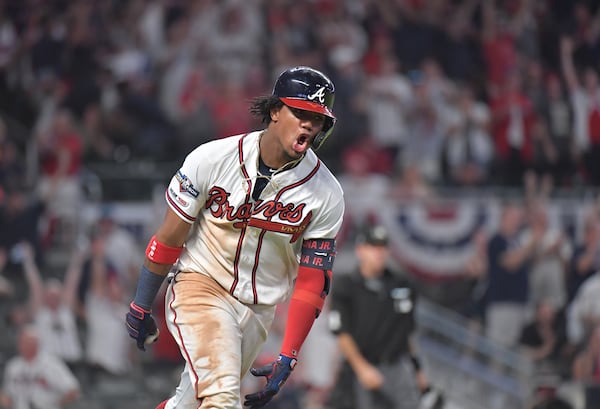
318 253
185 185
181 196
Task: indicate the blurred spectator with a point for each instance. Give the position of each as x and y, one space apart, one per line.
534 85
416 29
233 45
81 62
52 307
439 88
97 146
508 285
585 100
366 157
185 92
229 108
513 120
9 39
121 248
586 256
466 293
34 379
294 36
60 151
583 314
340 28
498 46
539 176
151 28
6 287
142 125
349 78
411 185
20 219
388 99
381 47
586 369
460 54
48 45
12 164
364 187
525 28
427 131
107 345
544 338
551 256
468 150
584 27
554 144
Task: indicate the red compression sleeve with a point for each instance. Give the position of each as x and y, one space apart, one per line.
306 304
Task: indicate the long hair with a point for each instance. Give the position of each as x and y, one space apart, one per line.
261 107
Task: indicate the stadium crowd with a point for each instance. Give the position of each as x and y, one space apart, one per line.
429 94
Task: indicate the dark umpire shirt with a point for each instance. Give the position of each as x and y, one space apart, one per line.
377 313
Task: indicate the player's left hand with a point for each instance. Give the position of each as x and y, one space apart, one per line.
141 326
276 373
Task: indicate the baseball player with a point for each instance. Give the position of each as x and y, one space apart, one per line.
251 222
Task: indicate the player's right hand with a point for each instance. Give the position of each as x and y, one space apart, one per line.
141 326
276 373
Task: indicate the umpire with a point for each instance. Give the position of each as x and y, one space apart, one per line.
372 315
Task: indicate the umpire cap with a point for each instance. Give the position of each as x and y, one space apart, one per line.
373 234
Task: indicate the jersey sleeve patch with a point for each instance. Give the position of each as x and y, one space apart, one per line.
318 253
183 197
185 184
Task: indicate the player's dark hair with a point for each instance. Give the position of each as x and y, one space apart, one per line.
261 107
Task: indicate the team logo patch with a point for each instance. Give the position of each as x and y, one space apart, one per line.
185 185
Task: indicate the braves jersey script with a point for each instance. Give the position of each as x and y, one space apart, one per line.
252 248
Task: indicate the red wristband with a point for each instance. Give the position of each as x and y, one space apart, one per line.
161 253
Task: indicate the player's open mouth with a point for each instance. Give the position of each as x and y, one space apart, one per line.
301 143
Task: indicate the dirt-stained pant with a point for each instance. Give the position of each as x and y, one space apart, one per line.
218 336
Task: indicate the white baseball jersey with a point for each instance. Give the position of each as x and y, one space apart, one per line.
40 383
251 248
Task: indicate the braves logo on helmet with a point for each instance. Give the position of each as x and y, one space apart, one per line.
319 95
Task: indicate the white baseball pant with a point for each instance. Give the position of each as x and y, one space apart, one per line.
218 336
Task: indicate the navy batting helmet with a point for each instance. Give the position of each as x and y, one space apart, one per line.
308 89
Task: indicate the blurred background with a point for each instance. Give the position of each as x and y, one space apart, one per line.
458 120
